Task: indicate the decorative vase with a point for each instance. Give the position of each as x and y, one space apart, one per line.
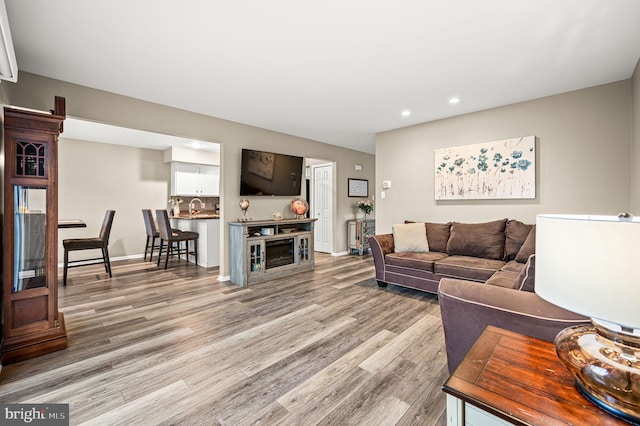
299 207
365 214
244 205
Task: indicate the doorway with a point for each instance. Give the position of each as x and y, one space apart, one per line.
322 206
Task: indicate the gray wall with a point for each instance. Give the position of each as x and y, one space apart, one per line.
37 92
583 144
94 177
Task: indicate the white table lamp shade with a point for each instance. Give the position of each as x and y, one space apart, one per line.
590 265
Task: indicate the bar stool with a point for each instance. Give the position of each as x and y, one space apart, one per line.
152 234
100 242
170 236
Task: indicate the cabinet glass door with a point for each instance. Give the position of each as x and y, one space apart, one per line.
368 230
256 257
30 238
304 249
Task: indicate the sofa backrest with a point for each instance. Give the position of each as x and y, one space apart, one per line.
528 247
502 239
437 235
485 240
516 233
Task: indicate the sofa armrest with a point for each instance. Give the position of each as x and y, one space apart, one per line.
380 245
468 307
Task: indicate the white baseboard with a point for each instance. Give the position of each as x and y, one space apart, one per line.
112 259
132 256
224 278
341 253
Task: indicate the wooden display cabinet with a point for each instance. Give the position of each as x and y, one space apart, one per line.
270 249
32 325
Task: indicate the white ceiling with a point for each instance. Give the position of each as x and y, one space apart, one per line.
336 71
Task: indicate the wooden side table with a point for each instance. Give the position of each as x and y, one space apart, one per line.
509 378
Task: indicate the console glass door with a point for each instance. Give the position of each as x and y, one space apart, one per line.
30 237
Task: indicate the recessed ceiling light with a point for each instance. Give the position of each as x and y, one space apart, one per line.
406 113
454 100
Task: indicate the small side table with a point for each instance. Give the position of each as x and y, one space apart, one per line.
508 378
358 233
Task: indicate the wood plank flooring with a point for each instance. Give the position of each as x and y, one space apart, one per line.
326 347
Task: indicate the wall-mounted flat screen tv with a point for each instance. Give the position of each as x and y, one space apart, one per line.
268 173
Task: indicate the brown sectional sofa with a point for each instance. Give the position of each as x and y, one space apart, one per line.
483 273
470 251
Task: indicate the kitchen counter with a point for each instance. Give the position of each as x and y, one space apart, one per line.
208 228
198 216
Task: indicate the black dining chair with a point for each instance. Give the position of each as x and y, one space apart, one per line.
100 242
174 239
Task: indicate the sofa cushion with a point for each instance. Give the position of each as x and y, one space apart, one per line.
528 247
467 267
423 261
527 278
513 266
410 237
483 240
516 233
438 235
502 278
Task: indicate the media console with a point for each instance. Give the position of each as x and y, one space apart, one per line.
268 249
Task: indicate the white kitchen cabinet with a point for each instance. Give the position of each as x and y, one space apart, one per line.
184 179
209 181
195 180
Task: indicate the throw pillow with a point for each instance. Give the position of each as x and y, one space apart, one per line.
438 235
517 233
484 240
527 278
528 247
410 237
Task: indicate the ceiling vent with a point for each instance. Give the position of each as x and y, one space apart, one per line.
8 64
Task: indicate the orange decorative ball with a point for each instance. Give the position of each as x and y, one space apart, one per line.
299 207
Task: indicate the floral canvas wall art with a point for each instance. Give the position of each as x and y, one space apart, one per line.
503 169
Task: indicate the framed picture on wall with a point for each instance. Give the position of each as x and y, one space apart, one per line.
504 169
358 188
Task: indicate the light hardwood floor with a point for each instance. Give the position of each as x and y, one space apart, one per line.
328 347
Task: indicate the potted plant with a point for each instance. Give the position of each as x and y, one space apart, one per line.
366 207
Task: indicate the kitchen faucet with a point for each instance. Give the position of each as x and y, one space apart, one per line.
191 206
